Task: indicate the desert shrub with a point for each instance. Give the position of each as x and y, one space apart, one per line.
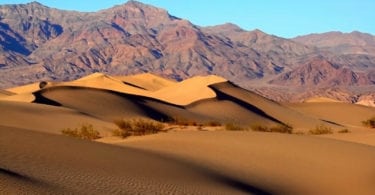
86 131
369 122
321 129
344 131
137 127
299 133
213 124
281 128
234 127
260 128
183 122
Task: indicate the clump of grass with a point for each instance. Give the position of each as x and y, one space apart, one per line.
137 127
281 128
321 129
86 131
369 122
234 127
344 131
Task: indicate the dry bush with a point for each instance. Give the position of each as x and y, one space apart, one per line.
343 131
86 131
183 122
213 124
321 129
369 122
260 128
234 127
281 128
137 127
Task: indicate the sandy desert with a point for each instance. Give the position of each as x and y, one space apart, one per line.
194 158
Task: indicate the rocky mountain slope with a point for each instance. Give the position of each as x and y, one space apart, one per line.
42 43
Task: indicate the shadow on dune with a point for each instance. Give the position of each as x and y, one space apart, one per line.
40 99
13 174
109 105
224 96
99 103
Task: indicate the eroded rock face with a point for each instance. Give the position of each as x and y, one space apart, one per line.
42 43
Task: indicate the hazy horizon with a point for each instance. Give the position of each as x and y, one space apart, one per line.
287 19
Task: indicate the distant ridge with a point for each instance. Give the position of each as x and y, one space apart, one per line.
42 43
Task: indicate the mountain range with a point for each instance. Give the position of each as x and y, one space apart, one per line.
41 43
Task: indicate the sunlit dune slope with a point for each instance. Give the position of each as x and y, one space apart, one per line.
146 81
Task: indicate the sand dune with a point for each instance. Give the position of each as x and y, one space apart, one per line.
102 81
349 115
320 99
23 97
25 88
182 93
189 91
50 119
103 104
279 163
271 109
5 93
198 163
35 161
146 81
42 163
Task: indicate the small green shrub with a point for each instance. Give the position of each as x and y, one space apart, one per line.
321 129
344 131
369 122
137 127
234 127
86 131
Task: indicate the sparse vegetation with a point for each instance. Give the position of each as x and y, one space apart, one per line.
343 131
281 128
86 131
183 122
260 128
299 133
234 127
137 127
369 122
321 129
213 124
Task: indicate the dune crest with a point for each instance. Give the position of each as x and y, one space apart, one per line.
5 93
146 81
25 88
148 85
189 90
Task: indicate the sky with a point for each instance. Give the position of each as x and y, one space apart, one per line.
284 18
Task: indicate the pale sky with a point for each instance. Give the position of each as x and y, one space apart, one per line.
284 18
